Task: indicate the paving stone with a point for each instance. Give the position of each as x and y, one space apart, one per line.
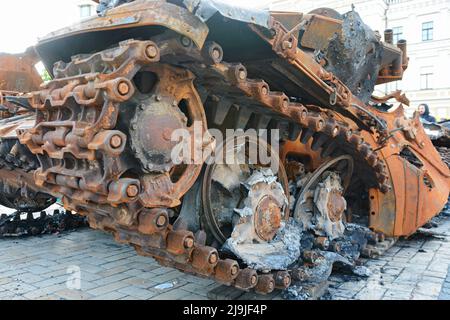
428 288
113 286
52 281
138 293
394 271
396 295
172 295
436 274
194 297
445 297
167 277
36 268
432 279
115 295
68 294
370 294
4 281
418 296
347 294
353 286
112 279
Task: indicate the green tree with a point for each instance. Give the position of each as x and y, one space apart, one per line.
45 75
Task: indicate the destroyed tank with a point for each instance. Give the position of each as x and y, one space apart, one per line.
132 83
17 76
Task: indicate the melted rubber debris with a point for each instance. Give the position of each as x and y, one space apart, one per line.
295 247
284 249
60 220
278 254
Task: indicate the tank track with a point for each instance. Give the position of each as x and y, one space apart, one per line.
61 220
445 154
102 74
14 155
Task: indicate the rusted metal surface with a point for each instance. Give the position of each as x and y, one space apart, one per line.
102 136
17 72
17 75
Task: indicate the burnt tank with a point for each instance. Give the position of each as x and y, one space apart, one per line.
151 99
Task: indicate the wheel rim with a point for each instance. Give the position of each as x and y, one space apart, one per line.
212 200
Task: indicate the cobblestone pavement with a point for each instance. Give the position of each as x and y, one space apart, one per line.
414 269
47 267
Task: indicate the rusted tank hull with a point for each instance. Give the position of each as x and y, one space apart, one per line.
17 72
103 130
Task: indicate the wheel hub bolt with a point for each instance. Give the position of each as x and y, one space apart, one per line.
216 53
234 270
116 141
132 191
123 88
242 74
151 51
264 91
188 243
161 221
213 258
185 41
320 125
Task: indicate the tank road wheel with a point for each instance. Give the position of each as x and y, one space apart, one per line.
246 206
226 186
168 108
321 204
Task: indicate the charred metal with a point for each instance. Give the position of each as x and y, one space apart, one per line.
98 136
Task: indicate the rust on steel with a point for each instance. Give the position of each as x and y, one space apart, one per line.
99 135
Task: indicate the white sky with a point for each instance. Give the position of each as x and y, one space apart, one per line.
22 22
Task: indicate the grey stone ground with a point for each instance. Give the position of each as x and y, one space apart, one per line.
40 268
414 269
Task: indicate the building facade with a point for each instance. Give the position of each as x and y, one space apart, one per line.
85 8
425 24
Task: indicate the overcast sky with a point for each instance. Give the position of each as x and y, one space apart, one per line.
23 21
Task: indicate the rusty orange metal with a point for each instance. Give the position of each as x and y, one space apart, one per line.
18 72
102 128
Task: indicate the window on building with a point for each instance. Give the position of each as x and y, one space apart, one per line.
85 10
426 77
398 33
427 31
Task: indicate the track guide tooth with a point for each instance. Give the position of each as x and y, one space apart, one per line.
220 111
262 121
200 238
319 139
243 117
306 135
329 148
294 131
